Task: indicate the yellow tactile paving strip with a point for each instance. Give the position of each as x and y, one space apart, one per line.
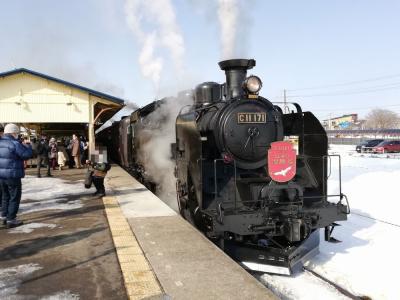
140 281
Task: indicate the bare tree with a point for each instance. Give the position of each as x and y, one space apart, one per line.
382 119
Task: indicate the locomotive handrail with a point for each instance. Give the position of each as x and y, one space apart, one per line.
301 196
330 168
347 201
329 156
296 105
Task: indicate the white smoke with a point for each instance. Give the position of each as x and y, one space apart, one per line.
151 66
164 33
234 34
228 12
156 152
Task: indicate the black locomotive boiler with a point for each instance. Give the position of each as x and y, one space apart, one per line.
226 188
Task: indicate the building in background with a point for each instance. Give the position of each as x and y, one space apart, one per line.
349 121
44 104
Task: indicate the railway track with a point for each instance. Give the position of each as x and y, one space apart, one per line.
339 288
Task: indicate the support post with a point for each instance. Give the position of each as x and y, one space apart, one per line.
92 143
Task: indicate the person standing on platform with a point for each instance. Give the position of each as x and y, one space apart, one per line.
12 156
68 148
53 153
62 156
34 145
43 156
76 151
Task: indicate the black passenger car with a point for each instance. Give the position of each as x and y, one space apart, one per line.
368 145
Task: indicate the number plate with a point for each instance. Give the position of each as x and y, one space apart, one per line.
246 118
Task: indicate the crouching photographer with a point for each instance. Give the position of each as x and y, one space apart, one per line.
98 172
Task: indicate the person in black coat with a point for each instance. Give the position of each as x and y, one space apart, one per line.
12 156
43 150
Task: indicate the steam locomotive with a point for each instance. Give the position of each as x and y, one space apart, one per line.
126 140
260 199
240 179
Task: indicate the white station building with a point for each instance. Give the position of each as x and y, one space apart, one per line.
53 106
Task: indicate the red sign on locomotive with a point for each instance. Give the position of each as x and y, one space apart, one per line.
281 161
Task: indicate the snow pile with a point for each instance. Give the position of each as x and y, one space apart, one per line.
11 278
28 228
365 262
49 194
371 185
64 295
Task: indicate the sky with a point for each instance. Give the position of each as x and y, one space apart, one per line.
332 57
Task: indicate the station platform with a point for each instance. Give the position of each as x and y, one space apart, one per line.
126 245
64 250
163 256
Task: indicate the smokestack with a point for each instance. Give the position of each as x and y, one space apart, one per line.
235 71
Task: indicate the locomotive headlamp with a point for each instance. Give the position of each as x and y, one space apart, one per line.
253 84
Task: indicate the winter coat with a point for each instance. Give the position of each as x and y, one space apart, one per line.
34 149
76 147
43 149
53 150
62 156
12 156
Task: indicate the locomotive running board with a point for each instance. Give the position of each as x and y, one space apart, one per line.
274 260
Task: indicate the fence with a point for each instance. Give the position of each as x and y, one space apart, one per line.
355 141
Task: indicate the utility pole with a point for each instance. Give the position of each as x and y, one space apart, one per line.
285 108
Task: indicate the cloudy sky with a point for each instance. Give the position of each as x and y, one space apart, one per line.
333 57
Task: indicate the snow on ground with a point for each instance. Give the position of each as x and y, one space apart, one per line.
307 287
65 295
28 228
49 194
40 194
366 261
11 278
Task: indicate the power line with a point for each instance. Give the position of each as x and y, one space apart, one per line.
356 108
350 92
346 83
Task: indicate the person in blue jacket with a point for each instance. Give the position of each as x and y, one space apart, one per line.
12 156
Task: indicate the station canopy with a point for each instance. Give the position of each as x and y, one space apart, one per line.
53 106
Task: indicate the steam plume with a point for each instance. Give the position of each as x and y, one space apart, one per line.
165 33
228 12
156 152
234 32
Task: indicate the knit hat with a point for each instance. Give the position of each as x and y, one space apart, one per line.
11 128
